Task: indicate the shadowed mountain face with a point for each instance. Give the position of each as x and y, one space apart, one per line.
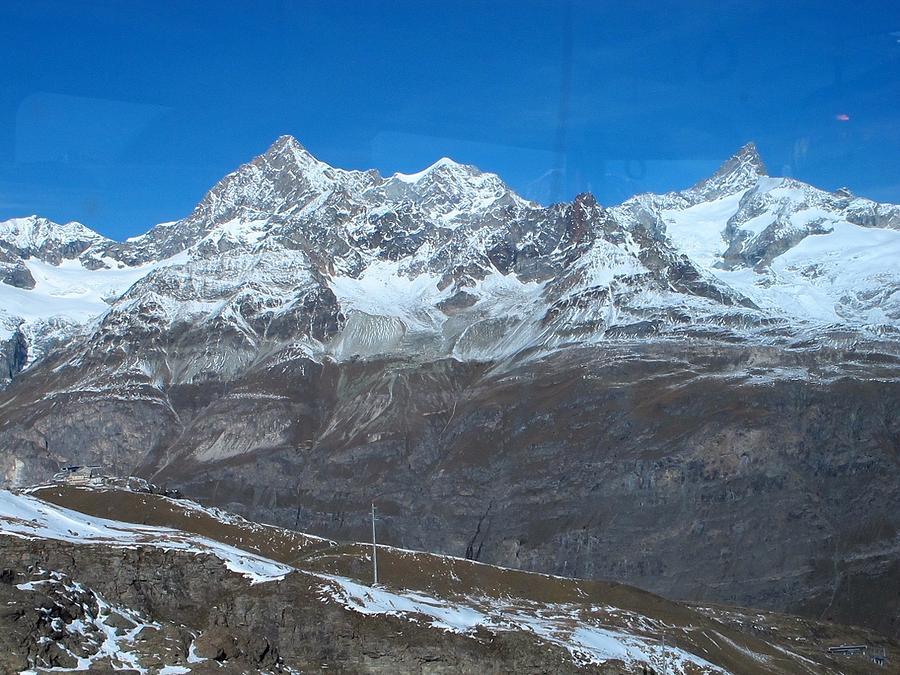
695 392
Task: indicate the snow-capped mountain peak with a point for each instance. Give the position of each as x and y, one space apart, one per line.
42 242
38 237
286 143
288 246
739 172
288 153
451 192
443 163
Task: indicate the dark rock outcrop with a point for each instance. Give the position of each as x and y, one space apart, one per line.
17 275
13 356
202 611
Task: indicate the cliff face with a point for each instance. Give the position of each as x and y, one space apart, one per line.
694 474
704 474
202 618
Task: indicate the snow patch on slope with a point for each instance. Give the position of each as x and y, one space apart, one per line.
65 296
27 517
384 290
698 231
558 624
851 274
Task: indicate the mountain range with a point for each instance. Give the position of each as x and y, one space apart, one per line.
693 392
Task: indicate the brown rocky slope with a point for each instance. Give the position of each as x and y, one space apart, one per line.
87 603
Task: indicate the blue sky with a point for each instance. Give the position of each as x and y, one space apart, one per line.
122 114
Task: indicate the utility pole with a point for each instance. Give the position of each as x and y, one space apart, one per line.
374 549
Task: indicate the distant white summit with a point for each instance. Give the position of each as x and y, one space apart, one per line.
739 172
443 162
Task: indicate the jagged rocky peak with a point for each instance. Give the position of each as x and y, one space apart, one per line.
287 152
285 179
745 161
285 143
586 200
284 157
741 171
